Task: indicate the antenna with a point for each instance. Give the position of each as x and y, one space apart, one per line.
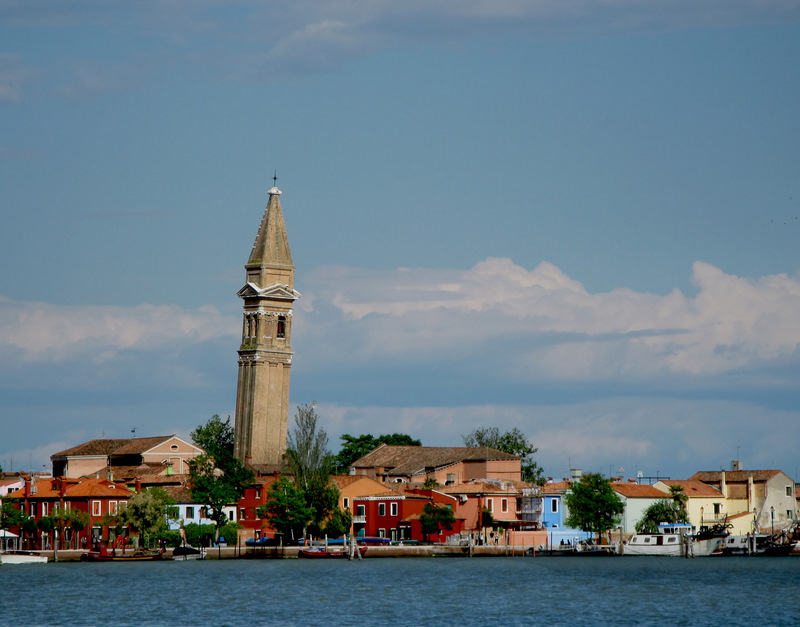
133 431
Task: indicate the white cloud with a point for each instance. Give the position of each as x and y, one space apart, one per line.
45 332
549 325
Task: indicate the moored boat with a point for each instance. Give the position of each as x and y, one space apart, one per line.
676 539
22 557
758 544
101 553
187 552
327 553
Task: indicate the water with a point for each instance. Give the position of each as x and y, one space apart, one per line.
406 591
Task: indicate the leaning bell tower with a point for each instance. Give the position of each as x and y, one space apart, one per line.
265 355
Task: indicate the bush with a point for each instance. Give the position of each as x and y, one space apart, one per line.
230 532
171 538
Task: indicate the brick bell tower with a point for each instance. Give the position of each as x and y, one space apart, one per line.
265 356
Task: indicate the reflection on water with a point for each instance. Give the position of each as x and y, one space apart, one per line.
406 591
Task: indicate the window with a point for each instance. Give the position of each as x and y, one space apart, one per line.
44 509
190 511
112 507
32 510
241 513
490 504
281 326
361 510
788 490
393 509
451 478
346 502
95 508
554 506
504 505
381 509
173 447
717 508
381 533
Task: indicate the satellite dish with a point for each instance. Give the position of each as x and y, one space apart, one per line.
640 474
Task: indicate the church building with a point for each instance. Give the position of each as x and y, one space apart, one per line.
265 355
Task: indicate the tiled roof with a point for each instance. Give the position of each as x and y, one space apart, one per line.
636 491
558 487
409 460
480 487
693 487
137 446
734 476
93 447
98 488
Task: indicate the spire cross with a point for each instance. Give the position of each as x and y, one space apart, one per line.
275 179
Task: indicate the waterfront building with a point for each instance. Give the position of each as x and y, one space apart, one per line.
265 354
636 498
395 515
445 465
125 458
555 514
98 498
767 497
704 504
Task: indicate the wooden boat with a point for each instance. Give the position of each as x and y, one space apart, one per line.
22 557
321 552
101 553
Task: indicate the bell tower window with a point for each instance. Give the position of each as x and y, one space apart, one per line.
281 332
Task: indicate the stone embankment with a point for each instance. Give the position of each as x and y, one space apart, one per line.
436 550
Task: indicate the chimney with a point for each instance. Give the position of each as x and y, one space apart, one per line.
110 475
736 465
138 485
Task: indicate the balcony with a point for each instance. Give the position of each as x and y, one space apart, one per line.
359 519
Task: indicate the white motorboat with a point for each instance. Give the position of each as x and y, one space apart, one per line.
676 539
22 557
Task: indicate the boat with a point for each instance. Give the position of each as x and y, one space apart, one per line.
674 539
187 552
22 557
101 553
758 544
264 540
320 552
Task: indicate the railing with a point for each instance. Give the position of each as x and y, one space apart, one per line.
359 519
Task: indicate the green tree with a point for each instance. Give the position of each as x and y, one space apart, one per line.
311 464
338 524
485 518
145 513
513 442
593 505
679 497
662 511
355 447
216 477
434 518
10 514
287 510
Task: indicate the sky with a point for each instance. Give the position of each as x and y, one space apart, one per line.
579 219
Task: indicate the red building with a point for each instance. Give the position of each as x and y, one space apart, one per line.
50 497
396 516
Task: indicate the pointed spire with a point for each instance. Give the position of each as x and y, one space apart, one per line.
271 248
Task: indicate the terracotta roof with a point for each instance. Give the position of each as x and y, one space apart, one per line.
98 488
636 491
180 493
734 476
137 446
693 487
558 487
410 460
93 447
480 487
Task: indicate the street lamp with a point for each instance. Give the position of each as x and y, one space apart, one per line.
772 516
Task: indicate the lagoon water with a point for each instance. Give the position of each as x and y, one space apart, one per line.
407 591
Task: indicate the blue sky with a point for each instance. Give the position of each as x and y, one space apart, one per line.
579 219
